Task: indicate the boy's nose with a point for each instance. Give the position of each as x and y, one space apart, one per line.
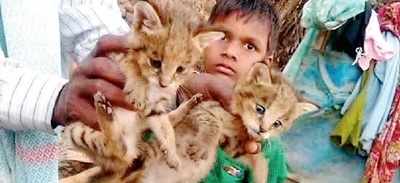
230 51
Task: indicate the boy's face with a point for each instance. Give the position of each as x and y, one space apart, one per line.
245 43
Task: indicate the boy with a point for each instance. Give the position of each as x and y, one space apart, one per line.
249 31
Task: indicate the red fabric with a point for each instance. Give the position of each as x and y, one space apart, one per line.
384 157
389 18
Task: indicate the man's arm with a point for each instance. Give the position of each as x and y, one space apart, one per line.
30 100
83 22
27 97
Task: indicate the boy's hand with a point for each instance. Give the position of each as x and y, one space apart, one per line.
252 147
212 87
219 89
95 73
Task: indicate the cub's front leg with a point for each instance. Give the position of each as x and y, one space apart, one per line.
115 149
136 86
163 128
136 95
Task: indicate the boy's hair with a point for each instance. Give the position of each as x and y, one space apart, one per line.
262 9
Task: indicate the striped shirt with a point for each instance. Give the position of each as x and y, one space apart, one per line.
44 39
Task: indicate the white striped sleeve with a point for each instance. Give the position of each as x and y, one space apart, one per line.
83 22
27 98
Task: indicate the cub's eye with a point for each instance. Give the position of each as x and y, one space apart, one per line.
180 69
155 63
277 124
260 109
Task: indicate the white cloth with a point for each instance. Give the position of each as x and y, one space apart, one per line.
32 29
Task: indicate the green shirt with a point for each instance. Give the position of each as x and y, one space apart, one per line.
277 166
272 150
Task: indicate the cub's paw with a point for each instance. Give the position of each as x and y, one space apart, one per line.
102 105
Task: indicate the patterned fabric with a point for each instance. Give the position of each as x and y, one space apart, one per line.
389 18
384 158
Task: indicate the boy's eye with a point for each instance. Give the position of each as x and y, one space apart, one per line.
250 47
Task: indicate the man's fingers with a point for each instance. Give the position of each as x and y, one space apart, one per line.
110 43
102 67
86 113
114 94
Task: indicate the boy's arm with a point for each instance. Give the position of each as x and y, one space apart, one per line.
27 97
212 87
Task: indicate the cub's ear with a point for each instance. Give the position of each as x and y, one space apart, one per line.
203 39
259 73
145 18
301 108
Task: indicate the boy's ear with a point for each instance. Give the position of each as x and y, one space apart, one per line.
203 39
269 60
259 73
145 18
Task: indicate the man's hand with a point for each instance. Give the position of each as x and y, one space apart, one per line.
95 73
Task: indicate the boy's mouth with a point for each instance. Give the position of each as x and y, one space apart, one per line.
225 69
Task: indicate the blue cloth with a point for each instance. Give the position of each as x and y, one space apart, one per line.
320 15
387 73
381 90
313 156
330 14
327 78
2 35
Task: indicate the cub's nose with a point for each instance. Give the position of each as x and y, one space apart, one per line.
162 84
262 130
255 130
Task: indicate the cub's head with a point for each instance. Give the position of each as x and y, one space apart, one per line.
168 41
266 102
